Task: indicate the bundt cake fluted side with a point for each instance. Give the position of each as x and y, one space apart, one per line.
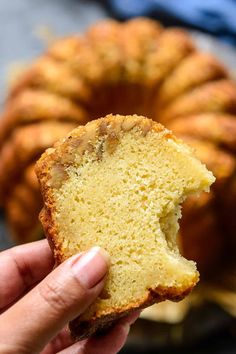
23 207
24 147
33 106
131 67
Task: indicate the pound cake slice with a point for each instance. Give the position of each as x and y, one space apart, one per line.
118 182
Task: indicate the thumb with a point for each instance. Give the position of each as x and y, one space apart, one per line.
64 294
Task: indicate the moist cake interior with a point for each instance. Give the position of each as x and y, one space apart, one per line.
128 203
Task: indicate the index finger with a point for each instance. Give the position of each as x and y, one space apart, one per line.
21 267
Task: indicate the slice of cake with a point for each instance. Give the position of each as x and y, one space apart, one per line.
118 183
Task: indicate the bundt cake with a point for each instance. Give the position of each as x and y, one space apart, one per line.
24 146
117 183
33 106
126 68
23 207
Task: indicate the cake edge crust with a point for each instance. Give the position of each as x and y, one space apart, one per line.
89 133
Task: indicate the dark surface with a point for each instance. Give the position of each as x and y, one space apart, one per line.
207 331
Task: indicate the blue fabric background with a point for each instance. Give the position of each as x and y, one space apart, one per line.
217 17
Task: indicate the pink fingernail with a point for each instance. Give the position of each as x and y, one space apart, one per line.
91 267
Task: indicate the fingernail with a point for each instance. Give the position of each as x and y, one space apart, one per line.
91 267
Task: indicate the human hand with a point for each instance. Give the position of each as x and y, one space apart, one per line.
37 302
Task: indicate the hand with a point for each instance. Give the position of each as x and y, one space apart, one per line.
36 302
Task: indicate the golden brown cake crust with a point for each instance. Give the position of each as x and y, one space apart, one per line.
193 71
83 329
23 218
31 106
220 162
47 73
50 170
22 208
218 96
172 46
222 130
197 225
30 178
64 48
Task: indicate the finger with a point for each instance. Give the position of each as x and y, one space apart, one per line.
61 341
64 294
130 319
110 343
23 266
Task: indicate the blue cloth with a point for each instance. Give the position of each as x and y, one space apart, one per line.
214 16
